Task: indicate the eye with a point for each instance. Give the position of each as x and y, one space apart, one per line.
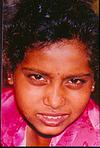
37 79
75 83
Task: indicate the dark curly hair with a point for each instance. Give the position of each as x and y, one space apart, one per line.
47 21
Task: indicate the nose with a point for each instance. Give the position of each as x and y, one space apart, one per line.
54 97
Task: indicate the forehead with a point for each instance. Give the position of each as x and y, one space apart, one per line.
63 48
66 47
63 57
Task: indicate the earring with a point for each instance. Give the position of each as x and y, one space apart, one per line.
10 79
92 89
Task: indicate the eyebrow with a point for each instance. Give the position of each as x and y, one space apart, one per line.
49 74
35 70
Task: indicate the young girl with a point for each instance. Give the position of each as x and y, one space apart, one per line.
52 56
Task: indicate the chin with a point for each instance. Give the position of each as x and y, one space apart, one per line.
51 131
46 130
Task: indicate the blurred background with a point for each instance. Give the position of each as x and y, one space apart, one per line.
9 10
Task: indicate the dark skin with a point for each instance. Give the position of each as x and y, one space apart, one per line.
39 140
57 80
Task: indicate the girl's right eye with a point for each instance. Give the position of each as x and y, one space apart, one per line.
37 79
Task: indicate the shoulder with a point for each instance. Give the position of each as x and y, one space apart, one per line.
85 131
93 113
12 123
6 94
8 103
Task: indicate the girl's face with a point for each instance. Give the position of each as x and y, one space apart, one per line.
53 85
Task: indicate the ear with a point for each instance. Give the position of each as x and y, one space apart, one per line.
10 78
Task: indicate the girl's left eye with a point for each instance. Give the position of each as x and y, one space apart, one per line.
75 83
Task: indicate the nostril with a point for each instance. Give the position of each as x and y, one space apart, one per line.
46 101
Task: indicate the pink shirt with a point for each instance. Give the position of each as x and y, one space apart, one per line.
85 131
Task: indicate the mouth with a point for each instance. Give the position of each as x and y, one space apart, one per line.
52 120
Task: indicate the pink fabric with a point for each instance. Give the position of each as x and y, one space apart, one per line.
85 131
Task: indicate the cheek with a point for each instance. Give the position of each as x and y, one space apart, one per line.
28 97
79 99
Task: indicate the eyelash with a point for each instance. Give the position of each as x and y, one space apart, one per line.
75 83
37 79
75 80
36 76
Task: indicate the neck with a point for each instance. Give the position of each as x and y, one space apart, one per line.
35 139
